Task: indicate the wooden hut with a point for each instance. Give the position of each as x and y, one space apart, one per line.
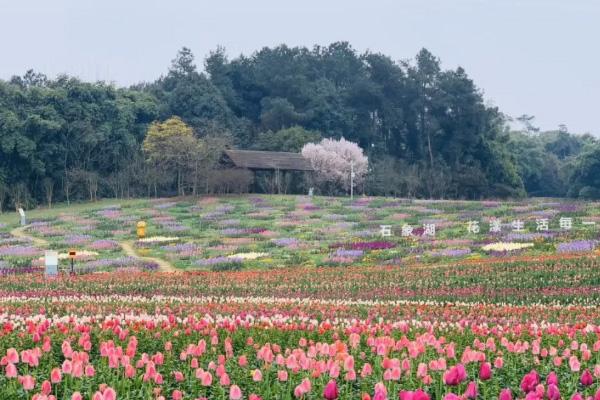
276 162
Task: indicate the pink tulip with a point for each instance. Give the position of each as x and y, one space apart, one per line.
534 396
235 393
418 394
109 394
178 375
46 387
498 363
224 380
530 381
76 396
67 367
576 396
331 390
485 371
574 363
90 371
257 375
380 396
586 378
129 371
452 396
12 355
206 379
11 371
552 379
55 375
471 392
553 392
282 375
27 381
177 395
455 375
304 387
505 394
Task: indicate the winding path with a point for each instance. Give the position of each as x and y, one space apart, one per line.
163 266
20 233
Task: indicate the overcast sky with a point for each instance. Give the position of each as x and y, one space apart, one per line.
539 57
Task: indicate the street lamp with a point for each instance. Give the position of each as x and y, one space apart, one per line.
352 174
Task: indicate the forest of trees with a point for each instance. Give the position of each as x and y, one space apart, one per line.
427 131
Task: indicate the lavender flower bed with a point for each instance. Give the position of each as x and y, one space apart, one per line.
225 209
20 270
212 216
286 242
104 244
77 239
110 213
348 253
122 262
527 237
450 252
21 251
577 246
218 260
378 245
182 249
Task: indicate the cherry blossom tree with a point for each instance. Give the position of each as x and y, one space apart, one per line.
332 160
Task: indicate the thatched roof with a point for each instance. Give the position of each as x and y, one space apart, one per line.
269 160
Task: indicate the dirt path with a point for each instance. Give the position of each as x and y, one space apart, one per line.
20 233
163 266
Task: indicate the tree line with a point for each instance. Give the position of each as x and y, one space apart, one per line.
427 131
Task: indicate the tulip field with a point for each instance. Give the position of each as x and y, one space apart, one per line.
297 297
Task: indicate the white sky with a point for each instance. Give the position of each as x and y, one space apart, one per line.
539 57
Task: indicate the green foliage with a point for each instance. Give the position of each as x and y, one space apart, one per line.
289 139
585 179
407 116
550 162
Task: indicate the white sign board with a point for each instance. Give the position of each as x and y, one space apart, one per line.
51 261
